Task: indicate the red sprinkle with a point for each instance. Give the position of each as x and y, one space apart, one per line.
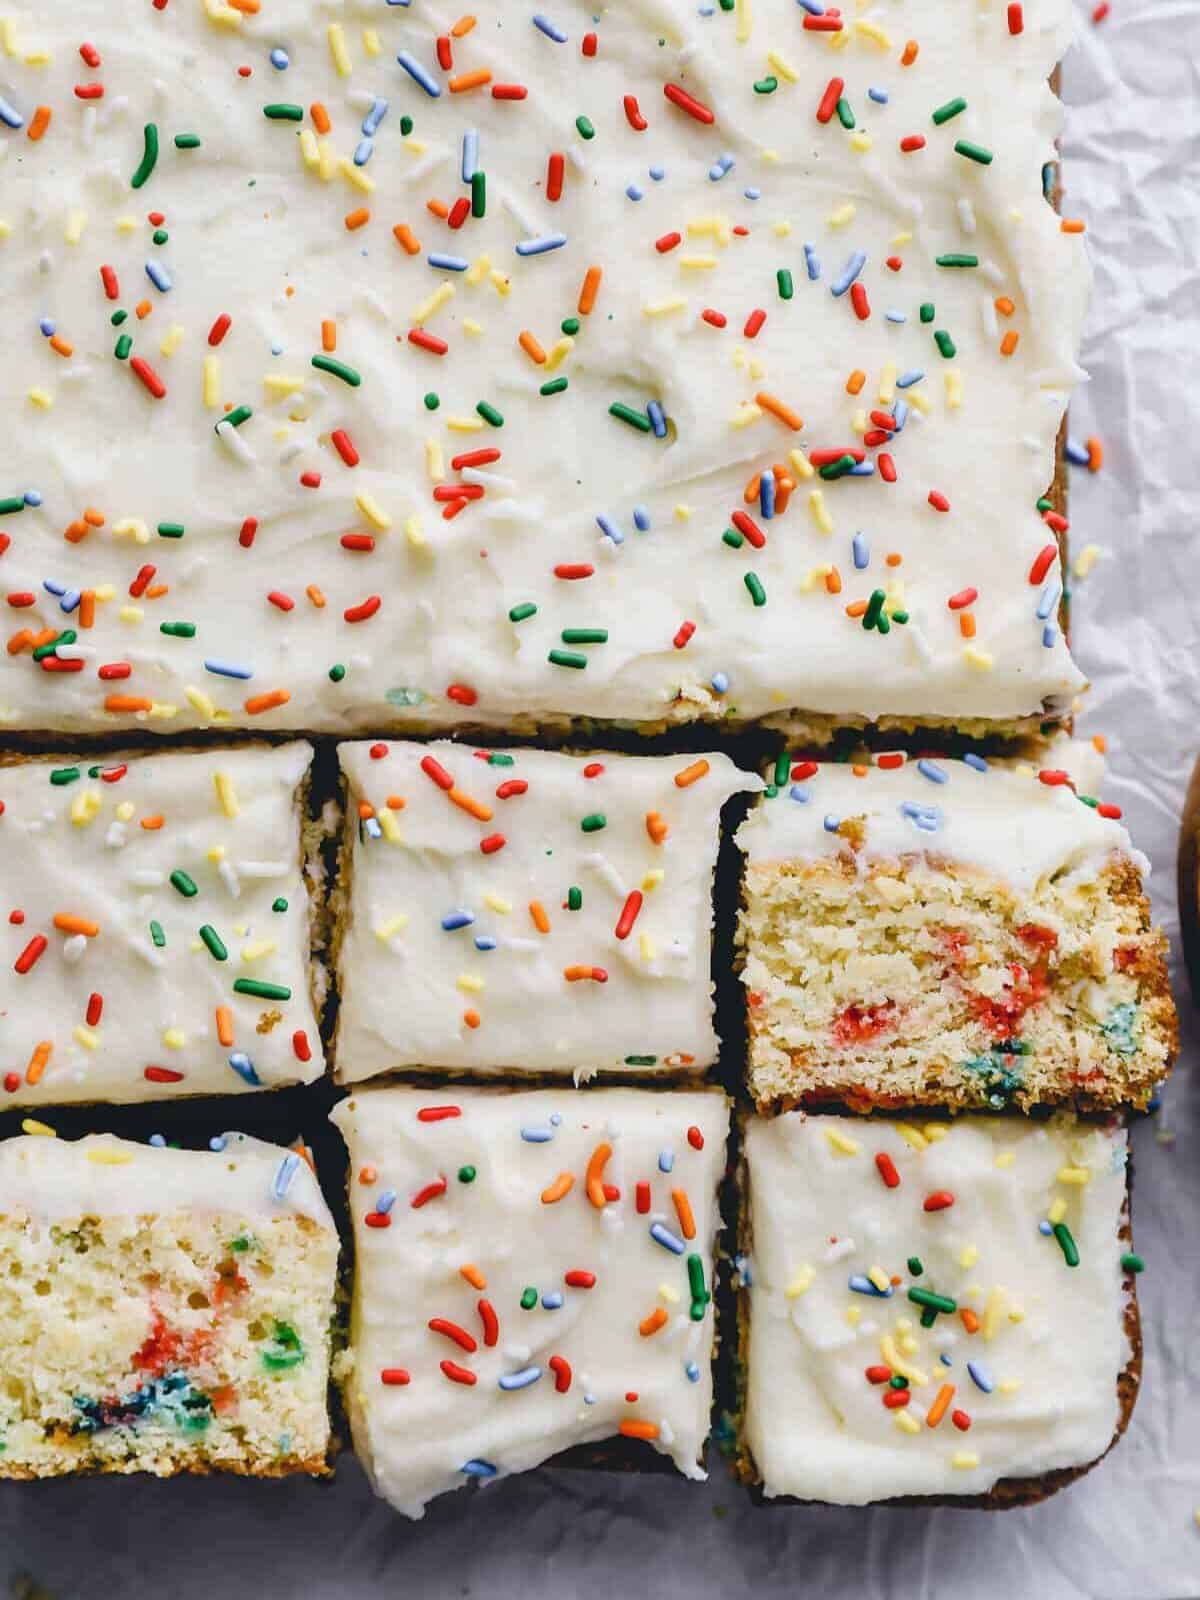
427 341
633 115
750 530
695 1138
715 319
458 1374
938 500
149 377
578 1278
95 1009
754 324
428 1193
248 530
685 632
887 1170
301 1048
378 1219
462 694
219 329
511 787
914 141
491 1323
964 597
344 445
395 1377
939 1200
161 1075
574 569
686 102
629 914
561 1368
451 1330
961 1420
667 242
1016 20
878 1374
438 1113
435 770
893 1399
829 100
858 299
642 1198
1041 565
555 169
365 609
31 954
493 842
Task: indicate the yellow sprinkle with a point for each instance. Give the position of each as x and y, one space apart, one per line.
917 399
478 271
278 385
652 879
992 1312
936 1131
258 949
880 1279
131 613
668 1293
697 263
216 854
371 42
436 300
647 947
162 710
127 224
800 464
1005 1158
782 230
8 35
171 340
839 41
391 927
211 386
560 350
417 146
965 1460
226 794
902 238
1086 560
375 514
41 398
915 1376
104 1157
744 21
968 1256
85 807
221 15
953 389
76 223
841 1142
468 984
858 422
661 308
873 32
905 1422
497 903
388 826
1009 1385
853 1315
201 702
125 810
413 531
861 141
1078 1175
86 1037
887 384
1058 1210
174 1038
780 64
338 50
471 326
435 465
842 215
820 513
745 414
309 149
500 281
980 659
801 1283
325 168
465 424
43 1129
356 177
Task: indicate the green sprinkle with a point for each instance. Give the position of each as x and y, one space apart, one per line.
490 414
733 538
767 85
927 311
952 108
945 344
279 904
757 593
157 935
845 114
574 898
528 1299
898 1381
935 1302
570 326
61 776
260 990
728 5
213 943
178 630
406 125
974 152
187 141
586 130
337 672
566 658
170 530
432 401
593 822
122 347
118 317
284 1349
238 415
160 236
1067 1244
641 1061
466 1174
914 1266
783 282
338 369
900 617
928 1317
13 504
281 112
553 386
836 469
699 1290
67 636
624 413
957 259
783 766
185 885
149 157
1132 1262
1045 504
585 636
523 612
478 194
873 615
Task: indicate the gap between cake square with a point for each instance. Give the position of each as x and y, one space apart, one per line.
383 402
943 932
534 1272
527 911
165 1310
155 925
942 1310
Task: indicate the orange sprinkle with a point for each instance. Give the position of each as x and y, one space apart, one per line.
224 1026
61 346
650 1325
472 1018
783 493
969 1320
856 608
1095 452
531 347
1009 342
540 920
468 803
152 824
438 207
329 329
656 827
1100 743
910 53
320 117
1073 225
469 80
87 608
395 802
594 1177
316 596
966 624
470 1272
750 492
777 409
591 288
562 1185
75 532
143 310
248 8
365 810
39 122
38 1060
357 219
1004 305
66 922
406 239
683 1210
157 590
462 27
636 1429
854 383
266 702
833 578
127 703
93 518
893 558
938 1409
692 774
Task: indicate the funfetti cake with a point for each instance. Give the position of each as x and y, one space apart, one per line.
944 933
526 910
164 1310
534 1271
154 926
371 366
945 1310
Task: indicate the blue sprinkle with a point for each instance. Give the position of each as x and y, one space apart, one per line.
666 1160
862 469
862 551
693 1372
1049 636
457 919
1076 453
470 154
539 247
634 192
980 1376
218 1142
374 117
813 7
371 828
931 770
880 96
449 263
33 497
766 495
158 1141
70 601
589 1399
752 194
849 273
1044 1228
555 1119
244 1067
658 173
1048 601
47 327
666 1238
901 413
907 379
533 1135
522 1379
927 818
945 1360
484 941
894 316
10 116
658 419
862 1285
416 71
972 760
719 683
552 1301
831 824
720 167
476 1468
800 793
641 519
386 1201
550 29
159 276
52 587
610 530
280 59
285 1174
813 262
363 151
228 669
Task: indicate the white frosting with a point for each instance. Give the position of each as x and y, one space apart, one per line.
101 1176
454 955
1004 820
257 232
415 1438
134 858
1050 1339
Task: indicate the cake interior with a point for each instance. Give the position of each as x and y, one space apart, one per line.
181 1342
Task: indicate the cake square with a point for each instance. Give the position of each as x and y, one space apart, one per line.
662 363
534 1271
155 926
527 910
939 932
945 1310
165 1310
